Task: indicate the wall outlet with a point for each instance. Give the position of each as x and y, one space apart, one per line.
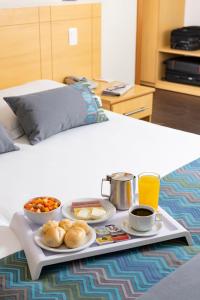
73 36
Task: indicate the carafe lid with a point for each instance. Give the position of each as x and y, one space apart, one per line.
122 176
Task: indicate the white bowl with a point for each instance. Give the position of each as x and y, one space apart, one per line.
43 217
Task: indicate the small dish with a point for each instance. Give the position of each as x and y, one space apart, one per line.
42 217
90 239
109 208
126 227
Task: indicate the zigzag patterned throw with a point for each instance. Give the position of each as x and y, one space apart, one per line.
116 276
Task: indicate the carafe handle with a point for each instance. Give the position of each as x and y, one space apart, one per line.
108 178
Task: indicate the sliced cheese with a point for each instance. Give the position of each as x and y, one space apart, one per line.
98 213
82 213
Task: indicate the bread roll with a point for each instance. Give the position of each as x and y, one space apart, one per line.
49 224
53 237
75 237
66 224
82 224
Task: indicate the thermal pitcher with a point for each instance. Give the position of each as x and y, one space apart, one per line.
122 189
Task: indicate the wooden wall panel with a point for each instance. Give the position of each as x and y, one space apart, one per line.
45 42
71 60
71 12
96 41
84 59
45 50
19 55
96 10
15 16
45 14
35 45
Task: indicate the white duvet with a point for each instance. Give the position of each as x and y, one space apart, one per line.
71 164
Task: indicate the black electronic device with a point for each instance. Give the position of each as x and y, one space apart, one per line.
186 38
183 69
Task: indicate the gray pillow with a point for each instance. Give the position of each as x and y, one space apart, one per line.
46 113
6 144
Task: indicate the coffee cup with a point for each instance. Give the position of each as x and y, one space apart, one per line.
142 217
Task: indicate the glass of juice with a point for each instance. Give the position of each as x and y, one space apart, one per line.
149 189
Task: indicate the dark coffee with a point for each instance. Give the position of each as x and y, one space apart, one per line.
142 212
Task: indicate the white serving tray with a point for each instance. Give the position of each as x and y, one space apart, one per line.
38 258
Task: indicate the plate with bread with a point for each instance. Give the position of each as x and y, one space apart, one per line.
65 236
92 210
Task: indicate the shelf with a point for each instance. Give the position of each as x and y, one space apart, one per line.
168 50
178 87
160 17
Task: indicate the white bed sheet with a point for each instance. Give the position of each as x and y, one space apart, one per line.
71 164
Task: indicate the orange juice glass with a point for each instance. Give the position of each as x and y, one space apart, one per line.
149 189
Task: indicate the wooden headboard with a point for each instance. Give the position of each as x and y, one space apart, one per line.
34 43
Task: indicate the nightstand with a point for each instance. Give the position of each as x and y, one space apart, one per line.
136 103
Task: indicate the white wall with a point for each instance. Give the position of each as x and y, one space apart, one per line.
118 39
192 12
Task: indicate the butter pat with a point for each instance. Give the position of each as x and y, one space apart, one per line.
82 213
98 213
89 213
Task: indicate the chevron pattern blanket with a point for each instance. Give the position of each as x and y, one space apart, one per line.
115 276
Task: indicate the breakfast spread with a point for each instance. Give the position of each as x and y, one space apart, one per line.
71 234
90 210
42 204
75 234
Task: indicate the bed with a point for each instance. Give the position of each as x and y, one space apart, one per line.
70 164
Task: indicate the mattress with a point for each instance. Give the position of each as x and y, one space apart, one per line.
71 164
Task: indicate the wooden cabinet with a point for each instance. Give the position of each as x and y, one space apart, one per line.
139 108
136 103
149 41
159 18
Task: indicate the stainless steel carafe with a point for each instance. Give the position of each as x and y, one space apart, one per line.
122 191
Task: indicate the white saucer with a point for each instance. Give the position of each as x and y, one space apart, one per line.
106 204
126 227
90 238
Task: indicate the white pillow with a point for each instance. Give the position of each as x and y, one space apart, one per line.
7 118
9 121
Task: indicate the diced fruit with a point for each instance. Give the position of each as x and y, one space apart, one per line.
42 204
